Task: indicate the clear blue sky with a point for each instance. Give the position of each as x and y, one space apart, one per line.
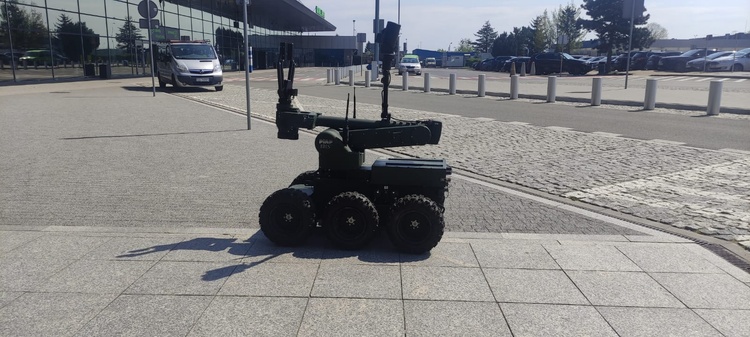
433 24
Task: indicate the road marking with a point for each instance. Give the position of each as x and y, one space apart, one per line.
705 79
735 151
665 142
740 80
484 119
518 123
687 79
668 79
606 134
722 79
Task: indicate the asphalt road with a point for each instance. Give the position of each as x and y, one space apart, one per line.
702 132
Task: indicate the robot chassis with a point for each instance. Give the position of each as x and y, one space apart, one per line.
348 199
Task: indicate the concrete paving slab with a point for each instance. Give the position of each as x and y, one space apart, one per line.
555 320
728 322
182 278
12 240
265 250
134 248
590 257
251 316
60 247
352 317
443 318
533 286
271 279
147 315
623 289
672 258
533 256
706 291
209 249
445 283
50 314
446 254
27 274
8 296
657 322
96 277
358 281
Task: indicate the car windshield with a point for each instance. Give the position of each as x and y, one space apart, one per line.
742 53
719 54
409 60
567 56
193 52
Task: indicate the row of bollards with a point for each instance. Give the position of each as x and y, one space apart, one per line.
649 103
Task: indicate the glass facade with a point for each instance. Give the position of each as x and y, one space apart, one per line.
57 39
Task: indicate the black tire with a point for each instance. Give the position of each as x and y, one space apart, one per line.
351 220
737 67
219 87
305 178
416 224
287 216
162 84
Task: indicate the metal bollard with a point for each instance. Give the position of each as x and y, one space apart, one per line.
367 78
533 69
596 91
328 76
426 82
375 70
351 77
551 87
514 87
480 88
523 69
714 98
650 100
336 76
452 85
405 81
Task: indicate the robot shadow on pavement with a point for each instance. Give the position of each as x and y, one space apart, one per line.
349 200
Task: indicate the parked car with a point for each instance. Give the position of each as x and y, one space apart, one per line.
484 64
653 61
548 63
740 61
410 64
640 58
679 63
518 61
497 65
43 57
430 62
697 64
8 57
593 62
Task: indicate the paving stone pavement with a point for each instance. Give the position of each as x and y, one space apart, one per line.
698 189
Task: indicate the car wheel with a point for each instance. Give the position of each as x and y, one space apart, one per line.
219 87
737 67
162 84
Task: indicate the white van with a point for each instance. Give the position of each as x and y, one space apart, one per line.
188 63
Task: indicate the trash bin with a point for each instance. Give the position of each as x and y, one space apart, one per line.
105 71
602 68
89 69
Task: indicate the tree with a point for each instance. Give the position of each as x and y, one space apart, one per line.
26 28
128 36
657 31
465 46
611 28
485 37
569 32
542 27
518 42
75 40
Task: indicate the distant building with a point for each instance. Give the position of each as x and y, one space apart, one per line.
724 42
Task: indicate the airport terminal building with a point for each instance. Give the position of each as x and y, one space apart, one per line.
55 39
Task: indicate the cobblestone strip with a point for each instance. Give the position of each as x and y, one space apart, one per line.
703 190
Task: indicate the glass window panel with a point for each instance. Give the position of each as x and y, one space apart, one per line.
92 7
31 36
118 9
66 5
94 38
184 20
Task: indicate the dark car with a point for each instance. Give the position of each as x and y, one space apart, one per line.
548 63
653 61
9 57
518 61
499 62
639 59
679 62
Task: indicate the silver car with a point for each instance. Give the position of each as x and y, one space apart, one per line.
697 64
740 61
